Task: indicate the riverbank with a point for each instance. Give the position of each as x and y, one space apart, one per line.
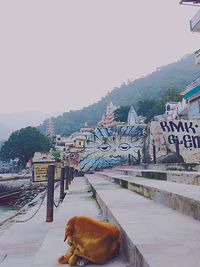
28 191
6 212
28 197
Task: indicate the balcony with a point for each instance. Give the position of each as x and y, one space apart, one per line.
189 2
191 90
197 57
195 23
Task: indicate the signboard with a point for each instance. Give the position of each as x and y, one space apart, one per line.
40 171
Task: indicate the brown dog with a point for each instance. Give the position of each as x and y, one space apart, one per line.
90 239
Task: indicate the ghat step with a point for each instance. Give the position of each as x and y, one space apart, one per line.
181 197
186 177
153 235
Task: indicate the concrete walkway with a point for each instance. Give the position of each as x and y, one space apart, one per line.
38 244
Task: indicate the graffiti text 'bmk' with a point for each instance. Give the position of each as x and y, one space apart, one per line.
171 126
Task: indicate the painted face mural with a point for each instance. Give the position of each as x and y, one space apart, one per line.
106 147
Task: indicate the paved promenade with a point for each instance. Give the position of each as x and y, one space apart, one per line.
36 243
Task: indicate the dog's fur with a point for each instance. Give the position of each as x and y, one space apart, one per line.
90 239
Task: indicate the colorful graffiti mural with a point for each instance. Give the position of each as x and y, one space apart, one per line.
106 147
184 133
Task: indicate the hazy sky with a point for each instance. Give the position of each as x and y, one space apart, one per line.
66 54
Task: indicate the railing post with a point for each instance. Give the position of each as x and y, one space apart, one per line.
70 175
62 193
66 177
177 147
139 157
50 193
71 171
154 154
129 160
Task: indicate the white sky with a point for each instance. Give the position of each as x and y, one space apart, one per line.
66 54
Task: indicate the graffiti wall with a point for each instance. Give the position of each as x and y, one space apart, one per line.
183 133
112 146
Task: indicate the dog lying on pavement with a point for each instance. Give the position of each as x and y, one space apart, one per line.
90 240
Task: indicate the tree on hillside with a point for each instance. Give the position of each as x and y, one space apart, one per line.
23 144
121 113
152 107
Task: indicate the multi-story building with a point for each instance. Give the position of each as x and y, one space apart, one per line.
194 23
50 129
192 91
192 94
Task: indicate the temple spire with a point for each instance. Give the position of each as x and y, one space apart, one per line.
132 117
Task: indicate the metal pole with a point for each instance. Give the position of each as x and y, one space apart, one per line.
50 193
177 147
67 177
154 154
70 175
62 193
129 159
139 157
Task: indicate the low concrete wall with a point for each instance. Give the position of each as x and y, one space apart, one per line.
169 167
185 177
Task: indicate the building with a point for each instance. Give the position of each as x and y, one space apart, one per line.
86 128
61 142
191 93
50 129
174 111
197 57
194 23
43 157
79 141
108 120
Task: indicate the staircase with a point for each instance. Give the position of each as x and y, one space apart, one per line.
159 219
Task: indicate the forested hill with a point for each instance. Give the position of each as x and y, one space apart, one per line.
175 75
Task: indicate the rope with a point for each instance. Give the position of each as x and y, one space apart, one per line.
28 219
57 205
4 257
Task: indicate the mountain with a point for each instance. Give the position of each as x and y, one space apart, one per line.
175 75
10 122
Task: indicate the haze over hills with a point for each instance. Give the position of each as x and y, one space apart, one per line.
10 122
175 75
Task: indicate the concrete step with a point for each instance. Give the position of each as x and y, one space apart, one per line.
36 243
181 197
186 177
154 235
